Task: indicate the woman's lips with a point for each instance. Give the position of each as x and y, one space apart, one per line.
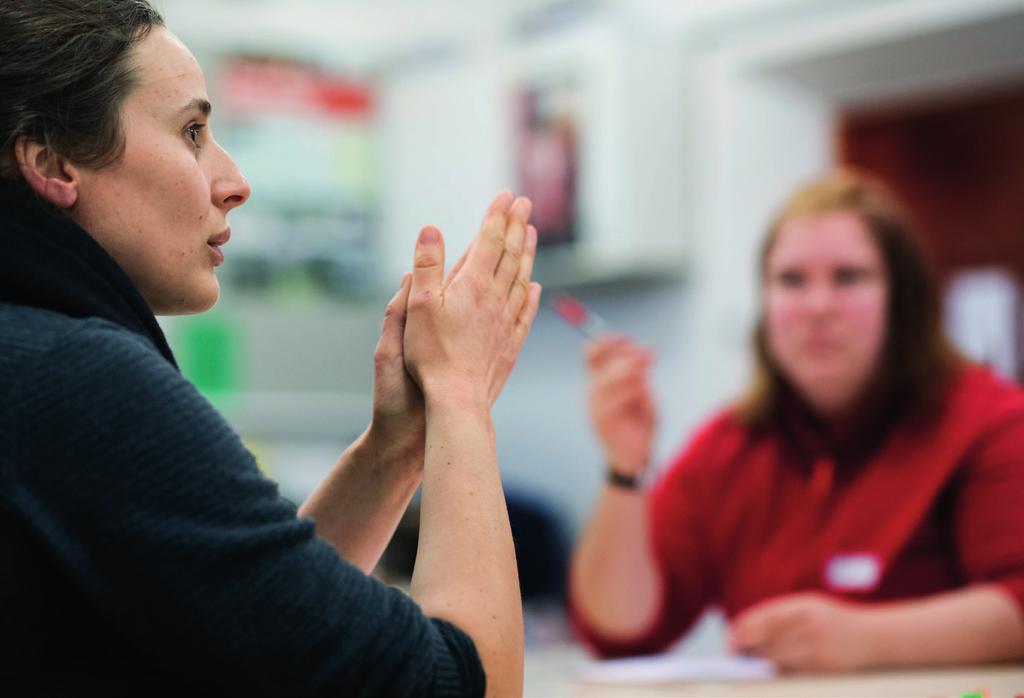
821 348
215 242
218 256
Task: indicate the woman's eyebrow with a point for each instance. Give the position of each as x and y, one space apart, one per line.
203 105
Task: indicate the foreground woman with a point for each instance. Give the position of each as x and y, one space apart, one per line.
143 552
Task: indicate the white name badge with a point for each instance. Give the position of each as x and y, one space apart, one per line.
853 571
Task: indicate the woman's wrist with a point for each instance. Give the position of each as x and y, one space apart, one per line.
629 467
400 453
454 395
456 417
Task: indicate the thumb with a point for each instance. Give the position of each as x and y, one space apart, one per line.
393 331
428 263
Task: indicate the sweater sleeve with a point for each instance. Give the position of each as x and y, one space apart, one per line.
988 521
149 502
677 524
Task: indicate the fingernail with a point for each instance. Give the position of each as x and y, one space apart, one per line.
522 207
503 200
429 236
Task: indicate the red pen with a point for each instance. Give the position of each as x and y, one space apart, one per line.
578 315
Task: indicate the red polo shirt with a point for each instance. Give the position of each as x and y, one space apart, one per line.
745 515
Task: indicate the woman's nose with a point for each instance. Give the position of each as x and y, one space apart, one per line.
230 188
239 193
819 297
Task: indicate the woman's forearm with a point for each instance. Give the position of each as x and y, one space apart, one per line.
359 504
979 624
613 579
465 565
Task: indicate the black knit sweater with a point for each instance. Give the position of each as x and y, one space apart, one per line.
141 551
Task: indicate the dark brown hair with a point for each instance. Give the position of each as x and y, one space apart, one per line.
917 357
65 69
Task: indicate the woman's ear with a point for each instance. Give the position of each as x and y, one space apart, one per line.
47 173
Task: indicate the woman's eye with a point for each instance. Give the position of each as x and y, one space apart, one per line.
790 279
192 132
849 275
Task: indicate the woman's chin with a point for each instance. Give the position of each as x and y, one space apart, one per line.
207 298
826 390
197 299
830 399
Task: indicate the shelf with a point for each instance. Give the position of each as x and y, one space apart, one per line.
567 268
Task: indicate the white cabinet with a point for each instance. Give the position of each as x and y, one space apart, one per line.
448 144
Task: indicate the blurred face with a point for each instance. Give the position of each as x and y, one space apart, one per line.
161 210
826 300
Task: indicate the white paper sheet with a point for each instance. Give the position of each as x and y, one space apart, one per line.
675 667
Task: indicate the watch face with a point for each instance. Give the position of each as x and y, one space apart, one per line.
629 482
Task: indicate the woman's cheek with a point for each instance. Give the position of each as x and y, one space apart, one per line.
782 338
868 313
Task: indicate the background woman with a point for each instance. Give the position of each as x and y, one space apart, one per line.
859 507
143 552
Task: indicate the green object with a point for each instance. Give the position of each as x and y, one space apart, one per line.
209 355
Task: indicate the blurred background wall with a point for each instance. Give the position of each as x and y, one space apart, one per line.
661 135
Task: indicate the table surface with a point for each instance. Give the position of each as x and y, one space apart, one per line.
555 671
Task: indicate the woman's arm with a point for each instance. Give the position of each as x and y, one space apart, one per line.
461 340
979 624
813 632
614 583
358 505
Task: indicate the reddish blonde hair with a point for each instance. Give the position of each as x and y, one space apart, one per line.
917 357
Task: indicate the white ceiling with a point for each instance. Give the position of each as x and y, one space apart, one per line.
360 33
960 42
971 55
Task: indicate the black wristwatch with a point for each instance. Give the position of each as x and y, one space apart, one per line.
625 482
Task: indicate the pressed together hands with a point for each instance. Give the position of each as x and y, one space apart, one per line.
447 346
455 337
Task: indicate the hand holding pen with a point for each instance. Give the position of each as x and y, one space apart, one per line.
619 396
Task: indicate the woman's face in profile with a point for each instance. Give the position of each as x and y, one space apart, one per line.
161 209
826 300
